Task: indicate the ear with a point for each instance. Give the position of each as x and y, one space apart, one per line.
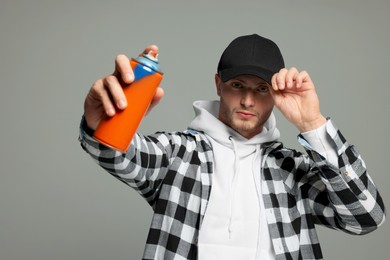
218 84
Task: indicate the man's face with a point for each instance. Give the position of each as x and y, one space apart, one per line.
245 103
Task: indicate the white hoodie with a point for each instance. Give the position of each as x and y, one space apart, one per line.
234 226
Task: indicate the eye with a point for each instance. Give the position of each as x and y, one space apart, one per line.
263 89
236 85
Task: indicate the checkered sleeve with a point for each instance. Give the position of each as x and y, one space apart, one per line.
172 171
142 167
344 198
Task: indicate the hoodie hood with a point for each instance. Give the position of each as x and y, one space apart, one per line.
206 120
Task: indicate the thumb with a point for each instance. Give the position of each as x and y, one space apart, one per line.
156 99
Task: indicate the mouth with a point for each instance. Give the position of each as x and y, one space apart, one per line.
245 114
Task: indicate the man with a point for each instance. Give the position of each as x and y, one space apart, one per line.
226 188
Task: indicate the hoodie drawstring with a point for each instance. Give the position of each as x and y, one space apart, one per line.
233 185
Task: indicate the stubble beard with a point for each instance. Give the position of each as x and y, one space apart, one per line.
242 126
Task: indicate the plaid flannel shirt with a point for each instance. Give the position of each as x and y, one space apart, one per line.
172 171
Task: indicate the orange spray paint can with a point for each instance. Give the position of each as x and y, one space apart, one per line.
118 131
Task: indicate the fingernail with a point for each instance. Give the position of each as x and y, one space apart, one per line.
129 77
111 112
121 103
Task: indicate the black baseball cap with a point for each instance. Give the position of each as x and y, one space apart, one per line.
250 54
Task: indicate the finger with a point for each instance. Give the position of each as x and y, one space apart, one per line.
301 78
115 91
280 79
273 82
123 69
291 77
109 108
99 96
156 99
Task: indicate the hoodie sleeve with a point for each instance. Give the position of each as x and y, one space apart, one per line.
344 197
322 143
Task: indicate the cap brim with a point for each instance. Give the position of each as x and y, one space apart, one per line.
228 74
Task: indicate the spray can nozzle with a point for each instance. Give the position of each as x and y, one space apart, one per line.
151 55
150 59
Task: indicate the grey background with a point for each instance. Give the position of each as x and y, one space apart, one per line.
56 203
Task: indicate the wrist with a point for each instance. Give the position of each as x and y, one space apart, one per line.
86 128
311 125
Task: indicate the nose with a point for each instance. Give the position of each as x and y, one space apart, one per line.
247 99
